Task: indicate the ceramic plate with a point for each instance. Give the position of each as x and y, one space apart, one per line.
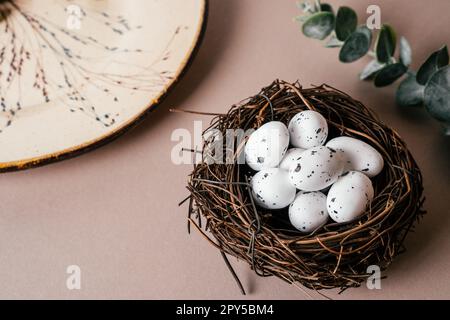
75 74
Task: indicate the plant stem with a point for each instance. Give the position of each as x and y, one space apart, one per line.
318 5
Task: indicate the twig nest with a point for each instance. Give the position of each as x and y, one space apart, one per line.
299 242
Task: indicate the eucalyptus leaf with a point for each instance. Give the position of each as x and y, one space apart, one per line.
346 23
385 44
319 25
318 6
326 7
410 93
334 42
305 6
405 52
356 46
437 95
300 4
301 18
434 62
389 74
371 69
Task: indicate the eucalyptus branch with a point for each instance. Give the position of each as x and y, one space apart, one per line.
429 86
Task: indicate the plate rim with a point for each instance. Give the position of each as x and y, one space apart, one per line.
133 122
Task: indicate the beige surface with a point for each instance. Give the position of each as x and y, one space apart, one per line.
114 212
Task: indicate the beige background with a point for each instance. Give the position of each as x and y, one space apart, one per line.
114 212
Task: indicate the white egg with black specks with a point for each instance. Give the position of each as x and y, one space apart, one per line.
359 155
290 158
308 211
271 188
267 146
349 197
316 169
308 129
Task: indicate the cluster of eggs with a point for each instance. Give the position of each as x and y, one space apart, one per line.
317 179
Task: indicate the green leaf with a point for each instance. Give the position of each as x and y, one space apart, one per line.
319 25
305 6
434 62
301 18
405 52
385 44
334 43
389 74
326 7
356 46
346 23
410 93
437 95
318 6
371 69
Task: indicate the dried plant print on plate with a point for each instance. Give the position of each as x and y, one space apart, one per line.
73 73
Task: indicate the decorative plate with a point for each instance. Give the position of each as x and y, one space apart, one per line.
76 74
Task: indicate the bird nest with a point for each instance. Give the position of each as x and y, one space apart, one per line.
337 255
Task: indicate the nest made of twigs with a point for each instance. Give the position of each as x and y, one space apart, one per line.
336 255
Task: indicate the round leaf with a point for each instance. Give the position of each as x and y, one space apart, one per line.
386 42
389 74
437 95
357 45
410 93
371 69
301 18
434 62
326 7
346 23
305 7
405 52
319 25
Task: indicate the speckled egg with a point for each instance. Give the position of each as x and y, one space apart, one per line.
291 157
359 156
349 197
308 129
267 146
316 169
271 188
308 211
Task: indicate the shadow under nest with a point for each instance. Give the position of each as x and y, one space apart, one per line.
336 255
